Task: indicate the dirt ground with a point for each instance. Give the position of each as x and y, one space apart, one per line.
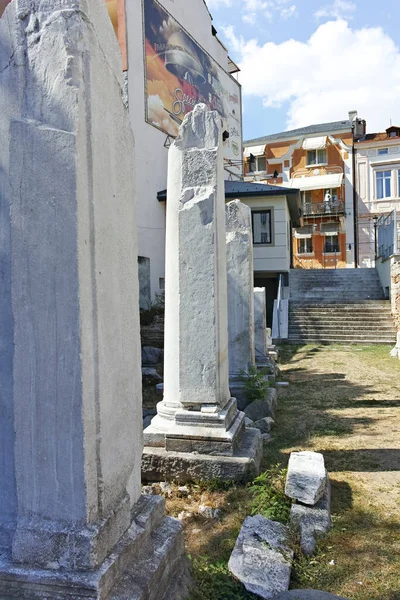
343 401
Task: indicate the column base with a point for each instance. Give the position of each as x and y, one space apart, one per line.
158 464
148 563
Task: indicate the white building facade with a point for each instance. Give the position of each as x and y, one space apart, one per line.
378 186
172 47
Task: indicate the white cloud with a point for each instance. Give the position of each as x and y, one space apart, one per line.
340 9
338 69
290 11
268 10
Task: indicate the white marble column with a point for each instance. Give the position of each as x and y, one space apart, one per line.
197 414
239 253
260 325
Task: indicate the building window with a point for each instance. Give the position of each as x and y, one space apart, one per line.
331 243
383 184
316 157
257 163
262 227
383 151
305 246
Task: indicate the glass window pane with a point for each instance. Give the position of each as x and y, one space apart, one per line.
387 187
262 227
311 157
261 163
379 185
321 156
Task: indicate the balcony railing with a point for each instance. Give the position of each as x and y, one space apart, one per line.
331 208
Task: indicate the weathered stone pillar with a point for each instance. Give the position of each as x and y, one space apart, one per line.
75 523
239 254
260 324
197 418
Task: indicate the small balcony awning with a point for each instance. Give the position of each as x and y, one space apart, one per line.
315 143
303 232
317 182
254 150
329 228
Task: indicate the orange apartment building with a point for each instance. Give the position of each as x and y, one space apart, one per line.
318 160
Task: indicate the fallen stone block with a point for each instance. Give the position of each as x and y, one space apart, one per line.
152 356
312 522
261 558
307 595
248 422
306 477
264 425
259 409
150 375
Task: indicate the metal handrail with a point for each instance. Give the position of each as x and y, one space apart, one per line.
278 303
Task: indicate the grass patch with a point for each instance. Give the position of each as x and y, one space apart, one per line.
214 581
268 495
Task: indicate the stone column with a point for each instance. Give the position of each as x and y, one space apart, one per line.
240 270
71 429
197 416
260 325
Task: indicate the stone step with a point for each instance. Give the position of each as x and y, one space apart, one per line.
317 327
358 315
159 563
355 339
359 341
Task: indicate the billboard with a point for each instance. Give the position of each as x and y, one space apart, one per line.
179 74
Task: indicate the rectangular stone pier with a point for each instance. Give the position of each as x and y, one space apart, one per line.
73 522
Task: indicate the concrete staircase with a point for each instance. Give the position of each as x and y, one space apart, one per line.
339 306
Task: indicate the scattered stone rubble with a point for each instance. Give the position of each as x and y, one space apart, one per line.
312 522
262 558
306 478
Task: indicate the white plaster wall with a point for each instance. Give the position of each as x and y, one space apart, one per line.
368 162
152 158
276 257
349 206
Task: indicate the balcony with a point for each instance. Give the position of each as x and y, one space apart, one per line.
332 208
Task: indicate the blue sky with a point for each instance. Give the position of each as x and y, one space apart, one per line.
311 61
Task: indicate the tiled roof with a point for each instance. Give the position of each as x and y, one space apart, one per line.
247 188
378 137
242 189
309 130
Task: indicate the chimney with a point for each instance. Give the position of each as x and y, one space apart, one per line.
352 115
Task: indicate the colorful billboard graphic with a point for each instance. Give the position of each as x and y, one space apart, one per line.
180 74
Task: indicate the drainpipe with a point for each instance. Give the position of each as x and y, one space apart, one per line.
355 207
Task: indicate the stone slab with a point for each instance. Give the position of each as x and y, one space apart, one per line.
262 558
308 595
152 356
160 465
149 558
258 409
312 522
306 477
264 425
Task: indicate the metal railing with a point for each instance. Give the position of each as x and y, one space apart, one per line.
279 303
388 234
331 208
